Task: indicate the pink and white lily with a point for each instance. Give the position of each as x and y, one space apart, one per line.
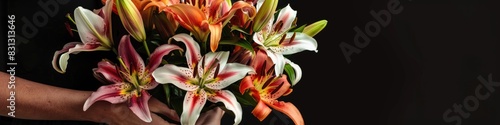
94 29
131 78
277 41
266 87
203 79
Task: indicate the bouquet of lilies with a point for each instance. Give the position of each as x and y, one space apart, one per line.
222 52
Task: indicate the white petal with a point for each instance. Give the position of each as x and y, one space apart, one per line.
90 25
222 57
232 73
300 43
179 76
259 38
286 16
110 93
230 102
192 48
193 104
278 60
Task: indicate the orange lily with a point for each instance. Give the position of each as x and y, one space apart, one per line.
205 18
266 87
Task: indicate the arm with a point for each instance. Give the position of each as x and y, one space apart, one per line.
42 102
38 101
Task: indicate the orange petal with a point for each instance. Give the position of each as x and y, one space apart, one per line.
261 111
188 16
288 109
215 35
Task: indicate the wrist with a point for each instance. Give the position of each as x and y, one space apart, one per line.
96 111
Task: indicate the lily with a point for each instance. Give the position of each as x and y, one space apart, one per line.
207 17
94 29
130 79
203 79
266 87
277 41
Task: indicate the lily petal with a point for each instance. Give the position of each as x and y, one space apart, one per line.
230 102
262 62
261 111
288 109
110 93
61 68
139 106
217 58
230 74
179 76
108 70
72 48
192 49
277 88
187 15
106 15
215 35
298 71
193 103
246 7
278 60
91 27
286 16
157 56
258 38
130 57
300 43
246 83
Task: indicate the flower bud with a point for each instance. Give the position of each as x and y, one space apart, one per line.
265 11
315 28
131 19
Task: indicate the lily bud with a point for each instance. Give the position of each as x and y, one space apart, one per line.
265 11
315 28
131 19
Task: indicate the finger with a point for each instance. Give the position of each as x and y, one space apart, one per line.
211 117
157 106
157 120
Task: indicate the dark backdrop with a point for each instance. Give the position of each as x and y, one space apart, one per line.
430 63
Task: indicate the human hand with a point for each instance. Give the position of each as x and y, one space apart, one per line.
211 117
120 114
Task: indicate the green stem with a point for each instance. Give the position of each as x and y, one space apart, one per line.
204 47
114 50
147 48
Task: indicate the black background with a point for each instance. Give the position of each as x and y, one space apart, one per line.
423 62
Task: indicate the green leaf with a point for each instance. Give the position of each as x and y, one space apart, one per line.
177 103
239 29
290 71
239 42
167 92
